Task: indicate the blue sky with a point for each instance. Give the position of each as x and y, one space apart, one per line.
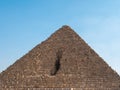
25 23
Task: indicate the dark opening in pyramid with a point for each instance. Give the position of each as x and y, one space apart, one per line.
64 60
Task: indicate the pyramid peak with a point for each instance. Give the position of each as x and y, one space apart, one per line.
65 29
66 26
64 33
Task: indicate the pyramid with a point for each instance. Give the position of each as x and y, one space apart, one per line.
62 62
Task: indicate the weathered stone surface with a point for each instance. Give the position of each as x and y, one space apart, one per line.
80 68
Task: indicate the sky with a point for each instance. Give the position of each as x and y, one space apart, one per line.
26 23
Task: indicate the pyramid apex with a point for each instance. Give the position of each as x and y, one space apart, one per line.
64 33
66 27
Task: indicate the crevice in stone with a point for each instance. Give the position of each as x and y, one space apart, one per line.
57 64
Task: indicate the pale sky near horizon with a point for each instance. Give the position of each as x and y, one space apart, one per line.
26 23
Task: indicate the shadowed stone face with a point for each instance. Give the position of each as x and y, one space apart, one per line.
57 63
